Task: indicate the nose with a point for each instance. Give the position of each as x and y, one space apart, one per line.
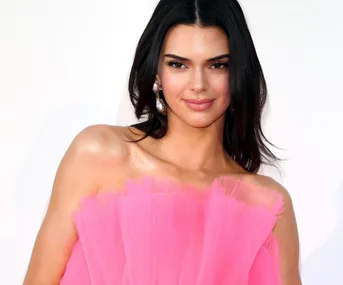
198 81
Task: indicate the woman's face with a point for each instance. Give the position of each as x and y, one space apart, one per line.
194 74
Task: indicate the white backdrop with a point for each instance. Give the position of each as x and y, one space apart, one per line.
64 65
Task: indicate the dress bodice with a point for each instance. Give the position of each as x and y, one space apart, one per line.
160 232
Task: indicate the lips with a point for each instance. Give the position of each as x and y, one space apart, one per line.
199 104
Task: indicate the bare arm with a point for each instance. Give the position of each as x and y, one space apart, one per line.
78 175
287 234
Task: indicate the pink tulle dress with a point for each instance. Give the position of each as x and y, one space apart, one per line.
158 232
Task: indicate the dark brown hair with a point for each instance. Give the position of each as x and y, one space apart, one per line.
244 140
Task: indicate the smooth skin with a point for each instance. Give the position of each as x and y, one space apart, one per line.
192 152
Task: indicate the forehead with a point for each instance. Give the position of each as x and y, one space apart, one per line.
193 41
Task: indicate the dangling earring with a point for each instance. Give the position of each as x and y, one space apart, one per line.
160 104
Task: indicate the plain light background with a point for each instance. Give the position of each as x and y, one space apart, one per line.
64 65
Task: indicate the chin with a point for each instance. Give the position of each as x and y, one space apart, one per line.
203 122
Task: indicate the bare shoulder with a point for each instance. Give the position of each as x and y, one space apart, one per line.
268 182
95 156
96 149
101 140
286 232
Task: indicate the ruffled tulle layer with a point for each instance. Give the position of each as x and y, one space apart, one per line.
159 232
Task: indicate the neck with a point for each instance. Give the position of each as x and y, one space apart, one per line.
194 148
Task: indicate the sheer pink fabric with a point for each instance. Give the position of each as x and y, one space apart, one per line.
157 232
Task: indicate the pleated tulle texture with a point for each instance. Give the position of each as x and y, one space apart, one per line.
158 232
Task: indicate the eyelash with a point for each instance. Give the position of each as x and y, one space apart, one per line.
224 65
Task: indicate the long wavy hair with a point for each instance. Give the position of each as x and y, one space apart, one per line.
243 139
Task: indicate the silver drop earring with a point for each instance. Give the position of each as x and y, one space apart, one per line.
160 104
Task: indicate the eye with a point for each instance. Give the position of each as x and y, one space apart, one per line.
220 65
176 64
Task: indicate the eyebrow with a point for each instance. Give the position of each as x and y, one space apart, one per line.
227 55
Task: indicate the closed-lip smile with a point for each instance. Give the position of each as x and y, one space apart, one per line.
198 101
199 104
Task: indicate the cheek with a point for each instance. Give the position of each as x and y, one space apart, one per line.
173 84
221 87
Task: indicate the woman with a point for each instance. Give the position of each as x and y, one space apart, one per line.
175 199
